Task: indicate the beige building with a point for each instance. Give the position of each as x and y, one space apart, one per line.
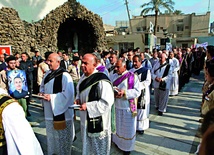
124 40
180 30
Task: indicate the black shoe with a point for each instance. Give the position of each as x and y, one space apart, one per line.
141 132
160 113
126 152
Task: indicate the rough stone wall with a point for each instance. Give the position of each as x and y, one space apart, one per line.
12 30
25 36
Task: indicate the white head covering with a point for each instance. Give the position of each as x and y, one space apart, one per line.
2 91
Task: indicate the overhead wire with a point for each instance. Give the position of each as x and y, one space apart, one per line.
111 10
108 6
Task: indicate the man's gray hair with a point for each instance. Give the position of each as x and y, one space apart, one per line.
165 55
58 58
123 61
97 55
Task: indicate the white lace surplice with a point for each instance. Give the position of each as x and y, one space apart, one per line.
98 143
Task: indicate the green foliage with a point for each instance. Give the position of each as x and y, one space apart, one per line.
178 12
156 6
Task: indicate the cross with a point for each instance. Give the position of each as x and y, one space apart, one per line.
94 120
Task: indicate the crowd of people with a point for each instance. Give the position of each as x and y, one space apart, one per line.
112 90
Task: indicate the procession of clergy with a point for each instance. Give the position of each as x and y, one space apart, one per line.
112 90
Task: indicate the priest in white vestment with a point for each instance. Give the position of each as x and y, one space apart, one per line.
126 118
144 76
174 80
110 67
59 137
20 138
161 73
101 68
96 139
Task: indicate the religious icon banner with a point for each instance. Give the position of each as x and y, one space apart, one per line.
17 83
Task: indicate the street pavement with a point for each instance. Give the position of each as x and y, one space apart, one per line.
170 134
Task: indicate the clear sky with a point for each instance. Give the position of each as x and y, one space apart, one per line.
109 10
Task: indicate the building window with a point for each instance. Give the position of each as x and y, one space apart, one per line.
138 29
184 45
126 45
180 20
158 28
144 28
186 27
180 27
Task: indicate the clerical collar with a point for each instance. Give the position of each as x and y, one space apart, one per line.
162 63
139 68
123 72
95 71
55 69
99 65
53 74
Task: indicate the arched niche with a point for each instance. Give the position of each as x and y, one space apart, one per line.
76 33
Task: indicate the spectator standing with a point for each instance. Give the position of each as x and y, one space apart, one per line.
3 65
27 65
66 61
129 61
209 95
42 69
36 59
74 71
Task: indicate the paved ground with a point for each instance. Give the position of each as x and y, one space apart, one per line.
170 134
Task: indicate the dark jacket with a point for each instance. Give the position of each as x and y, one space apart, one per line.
3 66
18 95
129 64
28 68
62 63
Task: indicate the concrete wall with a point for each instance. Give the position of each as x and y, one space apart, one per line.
137 39
200 25
193 25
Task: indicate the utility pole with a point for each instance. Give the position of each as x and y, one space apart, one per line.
209 5
126 2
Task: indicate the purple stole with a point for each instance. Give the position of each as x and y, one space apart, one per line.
101 68
130 76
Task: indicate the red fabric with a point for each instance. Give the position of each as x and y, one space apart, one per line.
7 49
